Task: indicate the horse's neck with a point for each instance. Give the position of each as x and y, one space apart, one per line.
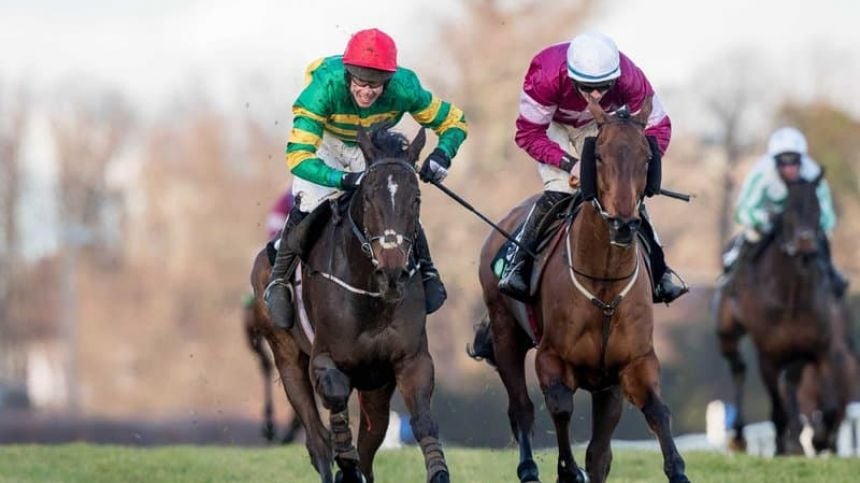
792 287
592 251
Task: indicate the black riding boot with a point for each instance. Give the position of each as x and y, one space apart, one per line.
839 282
514 281
665 288
434 290
279 292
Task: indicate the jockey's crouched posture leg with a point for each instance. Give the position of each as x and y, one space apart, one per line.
665 288
839 281
279 292
434 290
515 280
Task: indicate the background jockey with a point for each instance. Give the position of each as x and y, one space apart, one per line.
554 121
362 87
764 192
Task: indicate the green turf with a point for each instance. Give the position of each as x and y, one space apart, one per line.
92 464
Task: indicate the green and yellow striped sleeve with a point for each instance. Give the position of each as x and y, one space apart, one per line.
444 118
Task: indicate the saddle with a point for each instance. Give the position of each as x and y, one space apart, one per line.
549 234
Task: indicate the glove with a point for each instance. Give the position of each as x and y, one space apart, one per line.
435 167
350 181
567 162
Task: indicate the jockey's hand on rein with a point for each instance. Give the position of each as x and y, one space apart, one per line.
350 181
567 162
435 167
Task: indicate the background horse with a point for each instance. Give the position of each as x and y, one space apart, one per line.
361 293
255 320
784 300
597 323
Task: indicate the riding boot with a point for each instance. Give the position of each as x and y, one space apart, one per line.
839 282
434 290
515 280
279 291
665 288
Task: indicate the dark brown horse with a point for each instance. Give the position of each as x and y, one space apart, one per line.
782 297
361 293
594 311
255 321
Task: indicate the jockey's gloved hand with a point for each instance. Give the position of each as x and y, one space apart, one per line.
435 167
567 162
350 181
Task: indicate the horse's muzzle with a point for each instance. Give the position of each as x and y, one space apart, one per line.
391 282
621 232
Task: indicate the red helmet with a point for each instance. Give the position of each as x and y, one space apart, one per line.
372 49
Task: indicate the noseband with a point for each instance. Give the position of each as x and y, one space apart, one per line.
389 239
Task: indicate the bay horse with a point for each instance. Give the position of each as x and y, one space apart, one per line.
367 306
783 298
594 309
254 324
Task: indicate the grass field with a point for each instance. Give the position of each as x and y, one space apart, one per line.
91 464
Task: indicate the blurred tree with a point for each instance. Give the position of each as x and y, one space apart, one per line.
14 111
90 128
733 88
490 46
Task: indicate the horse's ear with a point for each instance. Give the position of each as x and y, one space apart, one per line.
366 145
416 146
596 111
644 111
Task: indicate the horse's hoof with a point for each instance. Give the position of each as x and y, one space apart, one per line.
679 479
738 445
440 477
527 472
268 432
579 477
350 476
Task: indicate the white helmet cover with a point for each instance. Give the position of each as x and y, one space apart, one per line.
592 58
786 140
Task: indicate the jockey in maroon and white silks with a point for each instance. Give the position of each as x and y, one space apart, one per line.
553 123
548 96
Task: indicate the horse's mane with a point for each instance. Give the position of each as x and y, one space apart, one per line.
390 143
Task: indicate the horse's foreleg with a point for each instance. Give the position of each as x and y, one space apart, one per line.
255 340
511 346
778 414
334 388
641 383
792 407
729 332
293 367
415 380
374 416
559 402
606 411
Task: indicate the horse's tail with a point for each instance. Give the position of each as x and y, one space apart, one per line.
481 347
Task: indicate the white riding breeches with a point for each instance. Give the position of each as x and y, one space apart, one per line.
338 155
571 140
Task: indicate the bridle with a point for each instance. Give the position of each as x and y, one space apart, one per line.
389 239
595 202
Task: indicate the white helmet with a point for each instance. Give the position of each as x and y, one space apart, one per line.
592 58
786 140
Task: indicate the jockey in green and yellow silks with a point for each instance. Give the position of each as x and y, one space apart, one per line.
362 87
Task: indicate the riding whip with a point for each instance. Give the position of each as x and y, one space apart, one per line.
469 207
